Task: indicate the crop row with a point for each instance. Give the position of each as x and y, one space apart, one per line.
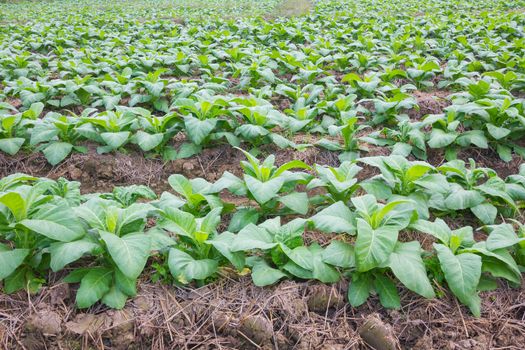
484 117
48 225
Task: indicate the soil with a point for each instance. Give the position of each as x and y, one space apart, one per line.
232 313
429 102
102 172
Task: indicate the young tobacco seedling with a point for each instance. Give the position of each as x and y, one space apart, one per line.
376 250
270 186
156 131
404 179
199 250
195 196
112 129
340 183
284 253
202 117
467 265
467 190
32 222
14 128
406 139
57 136
117 240
347 131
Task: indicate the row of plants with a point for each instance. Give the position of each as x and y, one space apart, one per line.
193 234
484 118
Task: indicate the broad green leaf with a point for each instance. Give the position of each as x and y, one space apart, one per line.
94 285
53 230
115 139
407 265
242 217
146 141
224 243
263 191
339 254
296 201
463 199
373 247
198 129
252 237
115 298
502 236
186 269
387 291
10 260
125 284
497 132
12 145
264 275
359 289
57 152
440 139
336 218
130 252
64 253
462 273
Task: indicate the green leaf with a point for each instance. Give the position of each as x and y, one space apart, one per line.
485 212
57 152
146 141
462 273
115 298
179 222
253 237
440 139
223 243
373 247
130 252
10 260
242 217
65 253
198 129
15 203
125 284
321 270
339 254
115 139
463 199
12 145
407 265
359 289
53 230
185 268
264 275
95 284
502 236
497 132
336 218
263 191
386 289
296 201
504 152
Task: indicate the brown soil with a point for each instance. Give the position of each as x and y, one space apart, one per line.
429 102
234 314
102 172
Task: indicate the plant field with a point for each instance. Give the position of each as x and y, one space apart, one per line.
270 174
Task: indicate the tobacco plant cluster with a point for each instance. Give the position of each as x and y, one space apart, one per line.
168 78
105 241
347 74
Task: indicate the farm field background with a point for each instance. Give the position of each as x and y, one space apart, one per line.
262 174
